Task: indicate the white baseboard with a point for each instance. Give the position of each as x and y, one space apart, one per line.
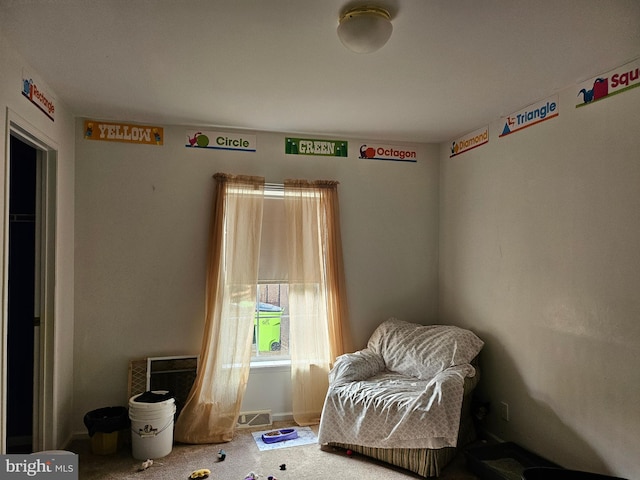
83 435
67 442
282 417
79 436
493 436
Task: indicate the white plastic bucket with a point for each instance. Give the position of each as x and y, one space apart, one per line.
151 428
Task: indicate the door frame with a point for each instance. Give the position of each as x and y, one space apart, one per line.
44 343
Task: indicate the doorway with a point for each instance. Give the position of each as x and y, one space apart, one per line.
28 295
23 320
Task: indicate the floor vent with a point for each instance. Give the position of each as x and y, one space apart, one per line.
261 418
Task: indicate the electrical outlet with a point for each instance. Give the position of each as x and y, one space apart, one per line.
504 411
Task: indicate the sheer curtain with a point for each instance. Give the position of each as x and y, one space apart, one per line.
318 327
213 405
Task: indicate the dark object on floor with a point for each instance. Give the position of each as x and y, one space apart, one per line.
503 461
106 420
546 473
222 455
283 466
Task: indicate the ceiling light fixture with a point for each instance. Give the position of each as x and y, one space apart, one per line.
365 29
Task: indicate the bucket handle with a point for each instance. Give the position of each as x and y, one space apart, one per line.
154 432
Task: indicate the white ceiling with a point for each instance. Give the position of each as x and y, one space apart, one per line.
450 66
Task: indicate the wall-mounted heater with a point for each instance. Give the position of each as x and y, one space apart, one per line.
175 374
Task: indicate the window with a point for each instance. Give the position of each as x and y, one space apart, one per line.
271 325
317 309
271 322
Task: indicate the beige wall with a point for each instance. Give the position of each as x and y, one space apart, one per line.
60 135
142 219
539 237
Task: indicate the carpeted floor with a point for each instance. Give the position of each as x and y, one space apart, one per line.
243 456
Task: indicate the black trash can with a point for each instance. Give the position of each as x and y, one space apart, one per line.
545 473
104 426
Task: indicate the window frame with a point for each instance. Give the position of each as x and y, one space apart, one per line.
273 191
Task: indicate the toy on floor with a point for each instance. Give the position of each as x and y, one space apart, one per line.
279 435
200 473
283 466
144 465
222 455
251 476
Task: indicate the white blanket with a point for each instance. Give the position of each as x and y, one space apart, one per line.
403 391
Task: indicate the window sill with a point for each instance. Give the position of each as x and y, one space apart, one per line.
260 364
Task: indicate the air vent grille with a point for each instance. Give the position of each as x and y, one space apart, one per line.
260 418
